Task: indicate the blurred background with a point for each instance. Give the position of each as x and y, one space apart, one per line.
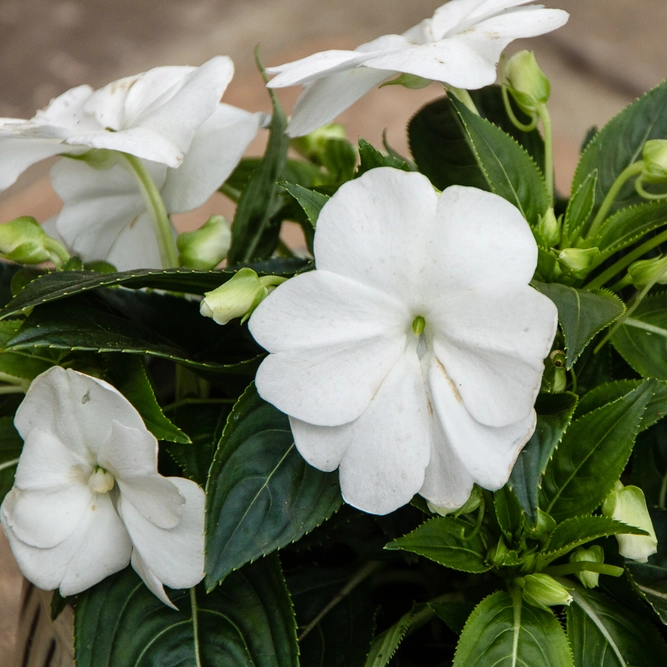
609 53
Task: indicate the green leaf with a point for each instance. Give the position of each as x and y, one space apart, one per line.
605 632
582 314
579 207
578 530
62 284
252 220
11 446
453 613
508 512
261 494
619 144
641 338
385 645
443 540
509 170
592 456
27 364
371 158
554 413
128 375
247 621
310 201
500 633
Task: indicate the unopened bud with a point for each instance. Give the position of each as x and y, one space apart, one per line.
499 554
594 554
205 247
101 481
654 156
549 228
543 591
238 297
526 82
647 271
577 261
23 240
628 504
545 526
314 145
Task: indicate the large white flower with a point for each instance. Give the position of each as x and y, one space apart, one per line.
411 358
152 115
88 499
460 46
105 216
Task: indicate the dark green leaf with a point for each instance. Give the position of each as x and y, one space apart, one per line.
509 170
252 220
371 158
554 412
498 633
261 494
619 144
641 338
592 456
310 201
604 633
247 621
11 445
579 207
582 314
508 512
454 614
443 540
27 364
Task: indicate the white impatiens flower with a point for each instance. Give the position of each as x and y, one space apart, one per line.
105 216
88 500
152 115
460 46
411 358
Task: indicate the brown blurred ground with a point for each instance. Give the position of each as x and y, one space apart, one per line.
610 52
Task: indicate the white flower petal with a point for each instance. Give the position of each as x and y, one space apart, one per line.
487 453
149 577
217 147
312 67
98 547
67 111
323 99
135 246
519 23
130 455
174 557
320 309
456 14
76 408
374 229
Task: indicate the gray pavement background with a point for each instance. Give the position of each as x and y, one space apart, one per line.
609 53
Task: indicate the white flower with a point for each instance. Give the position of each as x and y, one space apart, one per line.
460 46
88 499
411 358
105 216
153 115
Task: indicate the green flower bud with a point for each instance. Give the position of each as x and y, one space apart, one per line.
628 504
526 82
654 156
23 240
238 297
577 261
313 146
549 228
499 554
647 271
545 526
205 247
470 505
543 591
594 554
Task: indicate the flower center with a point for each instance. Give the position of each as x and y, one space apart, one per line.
101 481
418 325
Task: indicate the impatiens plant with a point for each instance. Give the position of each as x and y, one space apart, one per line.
434 435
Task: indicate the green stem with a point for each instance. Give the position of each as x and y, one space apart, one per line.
195 624
478 524
639 186
545 117
463 96
12 389
59 254
8 464
230 192
517 603
510 113
156 210
584 566
625 175
626 261
662 498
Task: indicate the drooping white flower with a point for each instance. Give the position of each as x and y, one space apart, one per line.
88 500
460 46
153 115
411 357
105 216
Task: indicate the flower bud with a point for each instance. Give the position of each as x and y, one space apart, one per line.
314 145
238 297
525 80
549 228
101 481
577 261
23 240
594 554
545 526
205 247
543 591
499 554
646 271
628 504
654 156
